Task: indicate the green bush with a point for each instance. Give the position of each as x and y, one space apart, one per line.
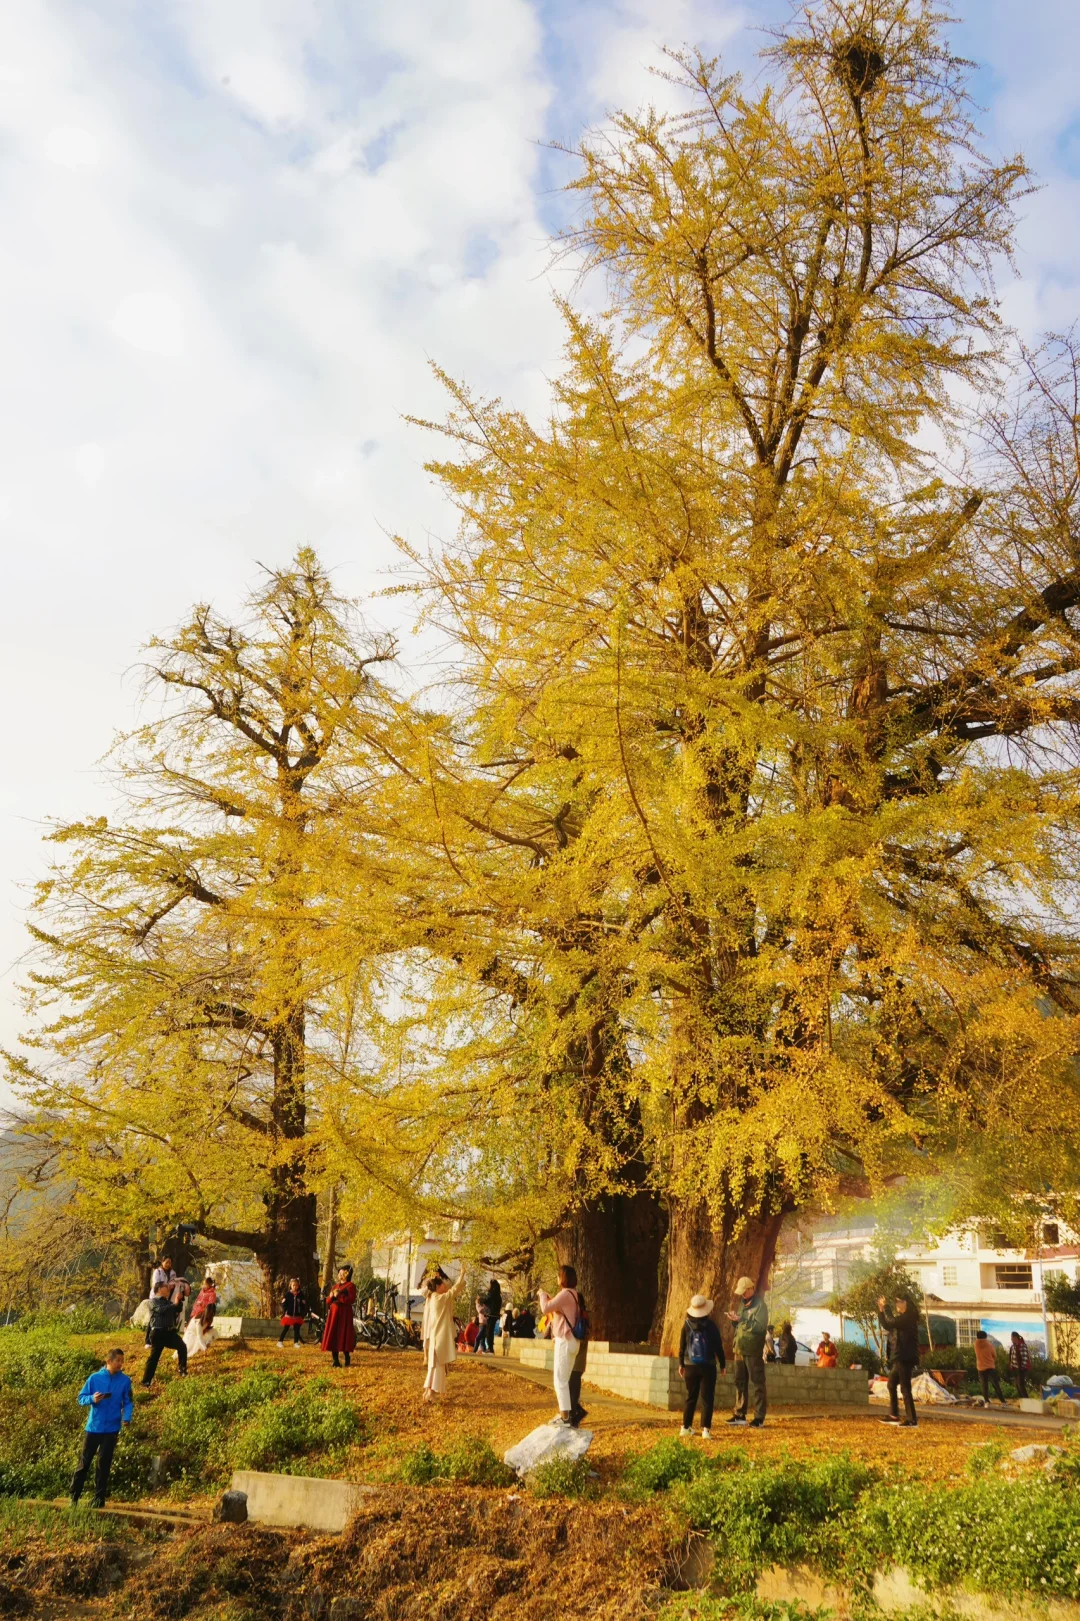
284 1434
43 1359
419 1467
776 1513
560 1477
79 1320
662 1465
850 1354
468 1461
196 1417
472 1462
994 1535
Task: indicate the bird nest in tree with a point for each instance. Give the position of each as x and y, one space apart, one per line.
860 63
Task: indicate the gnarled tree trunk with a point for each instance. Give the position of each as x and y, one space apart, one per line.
707 1256
614 1244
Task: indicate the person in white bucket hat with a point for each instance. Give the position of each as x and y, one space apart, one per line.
700 1349
751 1323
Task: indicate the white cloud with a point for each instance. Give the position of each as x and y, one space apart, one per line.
72 147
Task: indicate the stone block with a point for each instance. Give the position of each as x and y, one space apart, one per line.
248 1328
299 1500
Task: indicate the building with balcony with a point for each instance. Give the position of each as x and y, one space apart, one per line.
970 1279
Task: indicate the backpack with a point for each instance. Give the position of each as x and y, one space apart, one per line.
697 1344
580 1329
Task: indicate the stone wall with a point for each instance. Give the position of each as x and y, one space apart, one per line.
639 1374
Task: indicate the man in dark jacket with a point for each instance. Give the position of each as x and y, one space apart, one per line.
1019 1362
700 1349
902 1327
787 1346
491 1300
163 1335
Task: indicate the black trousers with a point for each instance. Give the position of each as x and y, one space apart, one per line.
296 1327
750 1370
700 1381
485 1340
1020 1375
104 1446
164 1339
900 1378
988 1376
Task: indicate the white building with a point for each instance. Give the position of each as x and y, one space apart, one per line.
970 1279
405 1259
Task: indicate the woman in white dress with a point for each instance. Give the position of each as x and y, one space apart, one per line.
438 1331
200 1334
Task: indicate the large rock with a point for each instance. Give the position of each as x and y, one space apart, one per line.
549 1441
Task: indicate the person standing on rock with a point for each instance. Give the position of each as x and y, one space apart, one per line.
700 1349
339 1330
751 1321
568 1329
437 1329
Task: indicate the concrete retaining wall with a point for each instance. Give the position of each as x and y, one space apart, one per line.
639 1374
248 1328
299 1500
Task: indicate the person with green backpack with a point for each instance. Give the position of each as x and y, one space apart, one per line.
700 1349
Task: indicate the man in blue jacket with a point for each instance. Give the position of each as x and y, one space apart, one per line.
107 1393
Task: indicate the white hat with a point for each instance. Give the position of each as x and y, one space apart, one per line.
744 1285
700 1306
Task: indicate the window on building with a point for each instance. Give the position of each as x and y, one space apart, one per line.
948 1277
999 1240
817 1282
1013 1276
1051 1233
966 1330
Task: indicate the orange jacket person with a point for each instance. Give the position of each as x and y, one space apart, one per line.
339 1333
826 1351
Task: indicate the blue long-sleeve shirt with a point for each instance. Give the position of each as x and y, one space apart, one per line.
116 1405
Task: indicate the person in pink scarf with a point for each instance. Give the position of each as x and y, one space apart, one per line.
564 1308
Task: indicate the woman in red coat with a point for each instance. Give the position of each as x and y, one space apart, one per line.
339 1333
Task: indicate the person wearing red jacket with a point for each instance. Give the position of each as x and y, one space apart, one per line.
339 1331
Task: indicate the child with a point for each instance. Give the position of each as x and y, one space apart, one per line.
293 1311
700 1349
339 1331
107 1393
199 1334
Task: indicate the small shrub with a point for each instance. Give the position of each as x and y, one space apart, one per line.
560 1477
287 1432
196 1417
994 1535
419 1467
468 1461
985 1459
43 1359
662 1465
472 1462
78 1320
777 1513
849 1354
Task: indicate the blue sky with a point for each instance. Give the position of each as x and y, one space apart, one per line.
236 231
